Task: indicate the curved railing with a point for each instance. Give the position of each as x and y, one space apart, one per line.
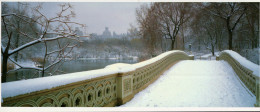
114 85
247 71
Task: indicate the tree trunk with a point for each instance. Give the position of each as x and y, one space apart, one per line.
254 40
4 68
229 34
199 45
172 47
252 44
230 40
219 44
183 45
257 42
5 59
212 50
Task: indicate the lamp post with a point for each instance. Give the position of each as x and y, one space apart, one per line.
190 48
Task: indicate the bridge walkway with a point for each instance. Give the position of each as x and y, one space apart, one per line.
197 83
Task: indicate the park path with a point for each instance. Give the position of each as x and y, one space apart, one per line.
195 83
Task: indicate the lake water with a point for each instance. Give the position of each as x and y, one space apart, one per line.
69 67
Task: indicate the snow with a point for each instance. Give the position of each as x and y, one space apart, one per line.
121 67
10 52
25 64
196 83
210 54
24 46
251 54
147 62
15 88
243 61
205 55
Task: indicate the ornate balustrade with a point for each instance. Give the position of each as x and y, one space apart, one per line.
111 89
249 77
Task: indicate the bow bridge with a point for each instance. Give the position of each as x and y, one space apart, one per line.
181 80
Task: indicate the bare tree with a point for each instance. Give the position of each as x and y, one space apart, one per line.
230 13
173 16
149 28
56 29
214 33
208 28
252 23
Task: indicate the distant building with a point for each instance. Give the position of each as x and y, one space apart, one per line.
106 33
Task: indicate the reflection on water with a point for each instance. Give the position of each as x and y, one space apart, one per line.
69 67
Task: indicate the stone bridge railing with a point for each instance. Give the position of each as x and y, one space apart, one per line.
247 71
114 85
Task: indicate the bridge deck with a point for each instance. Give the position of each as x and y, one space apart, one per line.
195 84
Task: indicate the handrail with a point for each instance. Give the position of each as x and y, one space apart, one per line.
246 71
111 86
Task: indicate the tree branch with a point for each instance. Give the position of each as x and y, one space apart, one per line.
22 67
35 42
237 21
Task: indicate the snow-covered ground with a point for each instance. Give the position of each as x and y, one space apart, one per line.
195 84
209 56
204 56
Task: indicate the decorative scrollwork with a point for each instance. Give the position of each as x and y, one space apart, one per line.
127 85
27 103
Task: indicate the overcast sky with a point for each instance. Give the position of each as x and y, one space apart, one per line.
115 15
97 15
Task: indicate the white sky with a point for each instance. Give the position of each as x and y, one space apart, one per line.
117 16
97 15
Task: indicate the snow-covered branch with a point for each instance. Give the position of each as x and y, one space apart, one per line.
22 18
42 30
53 64
61 49
3 15
35 42
35 68
59 59
22 67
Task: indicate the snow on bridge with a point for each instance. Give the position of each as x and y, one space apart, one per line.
196 84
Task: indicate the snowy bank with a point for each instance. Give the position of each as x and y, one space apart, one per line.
15 88
244 62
